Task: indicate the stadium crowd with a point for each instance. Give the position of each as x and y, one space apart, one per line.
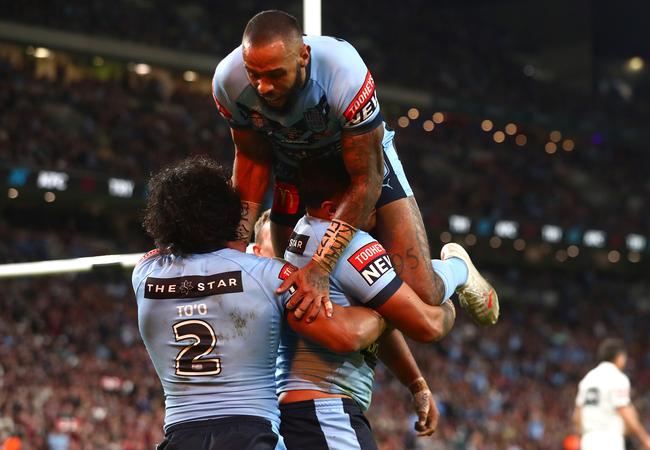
73 372
75 375
474 60
131 126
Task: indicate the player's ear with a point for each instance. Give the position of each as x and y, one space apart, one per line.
329 207
304 55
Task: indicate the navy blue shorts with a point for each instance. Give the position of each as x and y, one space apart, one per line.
226 433
287 207
325 424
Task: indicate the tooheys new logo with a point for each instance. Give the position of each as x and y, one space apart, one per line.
364 103
371 261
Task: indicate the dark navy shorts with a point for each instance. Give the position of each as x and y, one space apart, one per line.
287 207
325 424
226 433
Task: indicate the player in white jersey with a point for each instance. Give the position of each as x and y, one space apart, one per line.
210 319
291 99
603 412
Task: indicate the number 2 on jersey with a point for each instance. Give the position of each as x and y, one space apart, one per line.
190 360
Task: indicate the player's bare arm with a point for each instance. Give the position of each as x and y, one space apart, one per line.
354 328
418 320
396 355
362 156
632 423
251 171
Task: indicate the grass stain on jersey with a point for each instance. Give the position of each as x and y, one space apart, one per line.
240 321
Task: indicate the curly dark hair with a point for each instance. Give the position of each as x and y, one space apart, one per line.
192 207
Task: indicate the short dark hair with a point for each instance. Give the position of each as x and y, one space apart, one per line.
610 348
268 26
321 179
192 207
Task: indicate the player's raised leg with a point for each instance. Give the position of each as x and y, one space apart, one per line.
401 231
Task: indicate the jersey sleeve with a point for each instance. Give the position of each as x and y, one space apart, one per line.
620 393
275 271
353 90
365 272
580 397
225 95
142 268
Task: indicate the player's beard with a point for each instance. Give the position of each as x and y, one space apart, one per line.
290 96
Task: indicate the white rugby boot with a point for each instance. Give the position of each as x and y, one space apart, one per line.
476 296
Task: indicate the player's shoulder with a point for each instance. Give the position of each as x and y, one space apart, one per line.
258 267
361 241
333 57
305 237
230 74
146 261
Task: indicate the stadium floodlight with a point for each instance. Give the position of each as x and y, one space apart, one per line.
459 224
60 266
594 238
506 229
118 187
49 179
551 233
636 242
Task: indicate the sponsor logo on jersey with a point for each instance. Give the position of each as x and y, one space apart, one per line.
371 261
364 113
193 286
365 95
297 243
286 199
287 270
222 109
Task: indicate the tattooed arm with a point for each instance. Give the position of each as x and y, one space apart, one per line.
363 159
250 177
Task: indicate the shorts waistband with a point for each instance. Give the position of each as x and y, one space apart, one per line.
319 402
208 423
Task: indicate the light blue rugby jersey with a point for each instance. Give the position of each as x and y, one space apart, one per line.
363 275
211 324
339 93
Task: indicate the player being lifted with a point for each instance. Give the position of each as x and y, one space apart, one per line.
323 394
290 99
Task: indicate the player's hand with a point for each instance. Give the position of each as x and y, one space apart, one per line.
312 291
427 411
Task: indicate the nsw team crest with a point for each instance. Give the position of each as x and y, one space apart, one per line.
316 117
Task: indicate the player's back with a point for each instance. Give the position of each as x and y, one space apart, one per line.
604 389
211 324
